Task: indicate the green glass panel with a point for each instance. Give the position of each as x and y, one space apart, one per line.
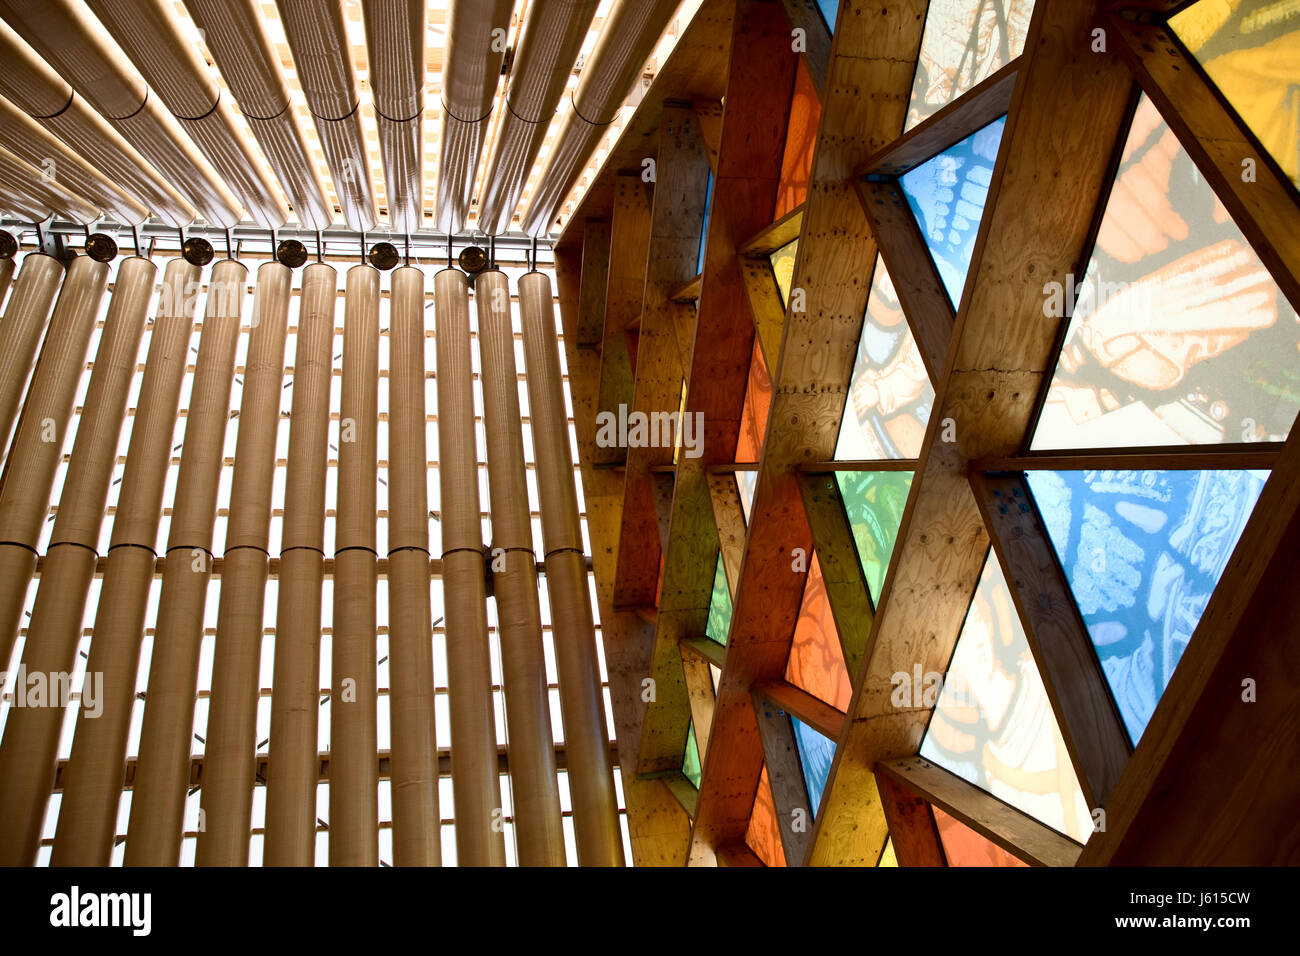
719 606
874 501
691 763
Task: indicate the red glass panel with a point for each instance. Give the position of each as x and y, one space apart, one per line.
816 661
763 835
800 137
964 847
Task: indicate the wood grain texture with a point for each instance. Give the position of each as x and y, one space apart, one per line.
911 825
807 16
594 279
784 773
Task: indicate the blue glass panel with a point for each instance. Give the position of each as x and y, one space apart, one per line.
830 11
704 229
815 755
1143 551
947 194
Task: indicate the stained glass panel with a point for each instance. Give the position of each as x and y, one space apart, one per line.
704 228
1178 334
993 724
719 621
748 481
890 395
874 502
815 755
816 662
888 857
763 835
1251 50
800 139
964 847
691 763
783 268
965 41
830 10
947 194
1143 551
753 415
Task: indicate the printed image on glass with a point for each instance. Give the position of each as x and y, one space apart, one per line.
873 503
993 724
890 395
816 752
816 661
1178 334
1251 50
719 620
783 268
1143 551
764 834
965 41
947 194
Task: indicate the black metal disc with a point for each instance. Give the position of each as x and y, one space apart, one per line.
101 247
384 256
473 259
197 251
291 253
8 245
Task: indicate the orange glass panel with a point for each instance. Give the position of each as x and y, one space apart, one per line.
800 137
964 847
758 401
816 661
763 835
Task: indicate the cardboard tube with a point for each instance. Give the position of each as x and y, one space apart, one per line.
416 831
591 781
295 711
295 695
534 787
480 839
163 770
6 278
417 837
354 758
230 755
226 799
29 749
29 754
354 745
97 765
25 316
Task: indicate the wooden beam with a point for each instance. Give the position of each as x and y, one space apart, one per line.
729 517
813 711
911 825
1061 133
806 15
629 252
776 236
709 115
1212 781
699 687
1015 832
738 855
595 280
690 292
784 772
1262 455
705 649
681 173
1081 700
683 792
837 555
873 61
1264 206
765 306
658 827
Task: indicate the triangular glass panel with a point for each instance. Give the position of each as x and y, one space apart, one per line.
816 751
890 395
888 857
1249 50
993 724
753 415
964 847
947 194
1142 552
1178 335
763 835
719 620
964 42
747 481
830 10
873 503
816 662
691 769
783 269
